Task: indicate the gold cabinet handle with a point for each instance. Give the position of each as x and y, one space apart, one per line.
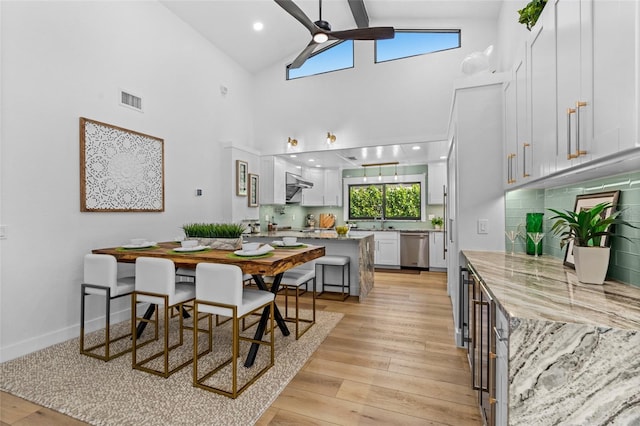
579 152
524 159
570 155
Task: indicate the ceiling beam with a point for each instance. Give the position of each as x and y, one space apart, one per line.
359 13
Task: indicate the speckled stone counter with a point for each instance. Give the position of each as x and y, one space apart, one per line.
574 349
359 248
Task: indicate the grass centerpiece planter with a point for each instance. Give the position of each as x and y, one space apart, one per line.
221 236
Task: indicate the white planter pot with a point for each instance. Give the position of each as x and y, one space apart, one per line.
591 264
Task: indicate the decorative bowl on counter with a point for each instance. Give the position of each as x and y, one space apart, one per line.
342 230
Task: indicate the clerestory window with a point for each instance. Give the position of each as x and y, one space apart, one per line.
336 57
407 43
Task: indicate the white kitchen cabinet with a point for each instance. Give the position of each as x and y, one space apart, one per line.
437 257
332 187
327 187
387 248
313 196
542 100
474 190
518 149
583 87
437 177
272 180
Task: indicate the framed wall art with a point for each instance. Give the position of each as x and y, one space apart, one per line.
254 190
121 170
586 202
242 172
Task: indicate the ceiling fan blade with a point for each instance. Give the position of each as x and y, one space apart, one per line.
292 9
372 33
359 13
303 56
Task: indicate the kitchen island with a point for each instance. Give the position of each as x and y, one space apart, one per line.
359 248
572 350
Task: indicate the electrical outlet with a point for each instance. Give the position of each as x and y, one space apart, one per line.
483 226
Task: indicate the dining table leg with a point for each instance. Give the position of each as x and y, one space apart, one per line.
143 324
262 325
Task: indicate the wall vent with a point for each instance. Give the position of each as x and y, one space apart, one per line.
131 101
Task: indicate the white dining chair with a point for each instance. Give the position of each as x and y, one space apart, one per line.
156 284
101 278
220 291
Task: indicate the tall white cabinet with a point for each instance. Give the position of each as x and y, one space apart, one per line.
475 196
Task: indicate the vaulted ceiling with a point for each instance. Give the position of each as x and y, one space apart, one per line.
228 24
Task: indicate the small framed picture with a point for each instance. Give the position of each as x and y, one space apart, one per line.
254 190
586 202
241 178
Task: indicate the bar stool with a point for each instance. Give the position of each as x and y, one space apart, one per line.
101 278
156 284
220 291
295 279
344 262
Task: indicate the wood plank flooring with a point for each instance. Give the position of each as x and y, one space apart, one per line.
390 361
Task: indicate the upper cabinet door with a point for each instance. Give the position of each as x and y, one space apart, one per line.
332 187
313 196
437 177
613 34
542 90
575 98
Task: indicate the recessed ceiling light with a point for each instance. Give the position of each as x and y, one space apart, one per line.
293 156
318 165
258 26
443 157
415 148
311 160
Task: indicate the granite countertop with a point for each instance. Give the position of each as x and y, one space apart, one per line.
321 235
544 289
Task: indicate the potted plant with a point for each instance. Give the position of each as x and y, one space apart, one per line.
586 229
223 236
437 222
531 12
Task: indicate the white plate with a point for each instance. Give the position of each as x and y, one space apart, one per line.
250 252
282 244
139 246
188 249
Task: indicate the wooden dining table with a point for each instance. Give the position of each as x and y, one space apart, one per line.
275 263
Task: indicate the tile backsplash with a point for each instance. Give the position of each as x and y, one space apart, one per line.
624 264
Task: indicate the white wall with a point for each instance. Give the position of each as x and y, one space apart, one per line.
62 60
394 102
511 34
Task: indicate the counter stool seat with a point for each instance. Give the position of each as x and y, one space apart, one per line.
294 279
344 262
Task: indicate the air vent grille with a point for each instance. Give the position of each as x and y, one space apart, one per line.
133 101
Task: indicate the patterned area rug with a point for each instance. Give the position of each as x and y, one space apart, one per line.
112 393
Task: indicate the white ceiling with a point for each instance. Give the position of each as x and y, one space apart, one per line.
405 154
228 24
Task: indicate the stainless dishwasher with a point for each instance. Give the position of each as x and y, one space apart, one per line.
414 250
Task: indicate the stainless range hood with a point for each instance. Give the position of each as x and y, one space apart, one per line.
294 186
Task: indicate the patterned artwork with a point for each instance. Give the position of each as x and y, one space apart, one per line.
120 170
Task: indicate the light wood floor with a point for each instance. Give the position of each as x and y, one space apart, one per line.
390 361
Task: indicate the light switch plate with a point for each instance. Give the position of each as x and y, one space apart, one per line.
483 226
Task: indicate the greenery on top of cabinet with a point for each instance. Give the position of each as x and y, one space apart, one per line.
531 12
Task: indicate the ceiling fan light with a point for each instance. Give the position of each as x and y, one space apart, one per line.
320 37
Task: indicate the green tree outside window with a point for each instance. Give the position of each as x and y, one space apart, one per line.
397 201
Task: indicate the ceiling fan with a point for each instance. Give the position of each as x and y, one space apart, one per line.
321 30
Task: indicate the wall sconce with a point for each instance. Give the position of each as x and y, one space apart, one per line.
331 138
292 142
